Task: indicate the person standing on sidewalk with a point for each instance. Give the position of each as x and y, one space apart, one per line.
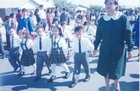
114 33
2 31
136 35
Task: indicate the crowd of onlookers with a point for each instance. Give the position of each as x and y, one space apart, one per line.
31 19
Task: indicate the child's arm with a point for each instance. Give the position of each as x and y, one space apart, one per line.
64 46
49 46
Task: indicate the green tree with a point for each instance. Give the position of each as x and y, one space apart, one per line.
65 4
96 7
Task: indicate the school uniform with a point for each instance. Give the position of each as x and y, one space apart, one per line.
58 53
41 47
14 51
27 57
58 50
79 50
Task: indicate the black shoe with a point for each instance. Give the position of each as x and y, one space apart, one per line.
37 78
16 69
72 85
33 72
2 57
21 74
67 75
87 79
52 78
49 73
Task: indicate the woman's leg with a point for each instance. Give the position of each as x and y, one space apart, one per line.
107 81
117 85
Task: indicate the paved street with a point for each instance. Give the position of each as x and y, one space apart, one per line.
9 81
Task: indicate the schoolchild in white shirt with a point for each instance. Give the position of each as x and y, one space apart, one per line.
66 34
26 52
41 49
14 49
58 52
81 45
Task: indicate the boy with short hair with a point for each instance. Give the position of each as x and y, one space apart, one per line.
41 48
80 47
14 49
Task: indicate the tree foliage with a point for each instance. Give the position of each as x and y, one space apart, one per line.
65 4
96 7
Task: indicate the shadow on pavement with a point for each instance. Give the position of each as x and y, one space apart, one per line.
24 83
134 75
125 86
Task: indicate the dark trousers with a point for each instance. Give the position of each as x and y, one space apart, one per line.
8 41
41 58
43 23
1 46
80 59
14 57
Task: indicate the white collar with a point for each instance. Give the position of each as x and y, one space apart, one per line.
114 17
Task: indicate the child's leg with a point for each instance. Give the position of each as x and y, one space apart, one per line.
22 72
22 68
53 66
39 66
34 69
53 77
65 67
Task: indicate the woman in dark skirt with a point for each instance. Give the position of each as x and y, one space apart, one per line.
114 33
58 52
27 56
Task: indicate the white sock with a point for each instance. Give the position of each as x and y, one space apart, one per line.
65 67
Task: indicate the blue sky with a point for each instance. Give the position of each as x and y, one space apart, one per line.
101 2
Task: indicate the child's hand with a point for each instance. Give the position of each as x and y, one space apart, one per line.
67 57
129 54
48 56
94 52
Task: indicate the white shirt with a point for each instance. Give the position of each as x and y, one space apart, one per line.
45 44
1 21
67 34
86 45
42 14
62 43
29 44
34 21
16 41
90 33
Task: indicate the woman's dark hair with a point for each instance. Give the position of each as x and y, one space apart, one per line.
115 2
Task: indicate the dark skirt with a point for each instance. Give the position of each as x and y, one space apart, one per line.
57 56
27 58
